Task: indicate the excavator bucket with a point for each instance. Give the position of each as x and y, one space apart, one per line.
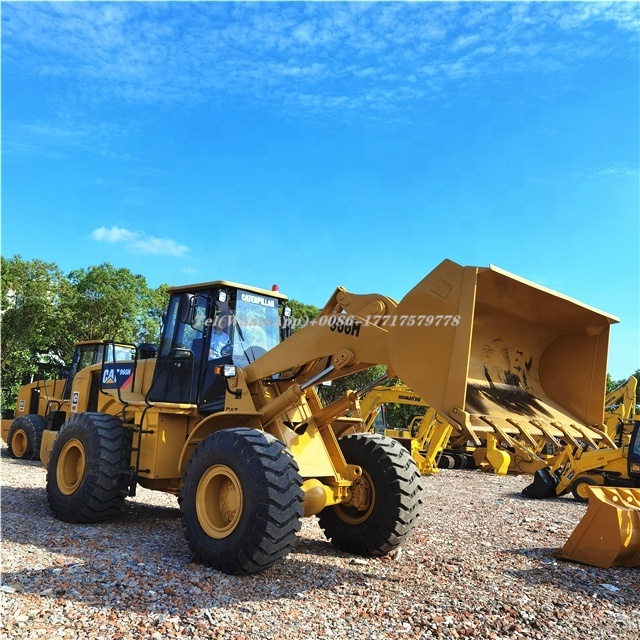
492 351
609 533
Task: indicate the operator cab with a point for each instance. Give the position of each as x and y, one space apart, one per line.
209 325
90 352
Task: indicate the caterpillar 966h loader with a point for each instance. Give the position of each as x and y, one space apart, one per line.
245 442
46 401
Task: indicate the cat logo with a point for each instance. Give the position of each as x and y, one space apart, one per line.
74 401
109 376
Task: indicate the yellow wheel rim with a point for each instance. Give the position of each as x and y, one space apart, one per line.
583 490
360 506
71 466
219 501
19 443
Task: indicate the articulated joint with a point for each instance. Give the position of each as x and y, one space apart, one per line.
316 496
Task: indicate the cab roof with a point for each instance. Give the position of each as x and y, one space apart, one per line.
225 284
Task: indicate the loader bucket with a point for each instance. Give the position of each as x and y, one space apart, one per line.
609 533
488 346
543 486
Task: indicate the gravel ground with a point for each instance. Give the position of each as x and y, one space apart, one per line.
480 565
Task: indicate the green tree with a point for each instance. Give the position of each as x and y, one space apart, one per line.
612 384
150 323
302 313
399 416
114 303
45 313
33 306
354 382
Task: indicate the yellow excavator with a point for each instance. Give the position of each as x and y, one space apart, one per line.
621 408
535 448
434 442
609 480
427 434
241 435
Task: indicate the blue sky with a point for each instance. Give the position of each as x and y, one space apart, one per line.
322 144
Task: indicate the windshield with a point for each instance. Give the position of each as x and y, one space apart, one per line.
257 326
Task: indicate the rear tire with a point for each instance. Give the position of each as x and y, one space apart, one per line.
25 436
446 461
241 501
87 479
579 488
392 482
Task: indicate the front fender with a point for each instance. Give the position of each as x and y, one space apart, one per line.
217 422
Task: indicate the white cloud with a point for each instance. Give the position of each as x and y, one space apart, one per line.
139 242
271 54
622 171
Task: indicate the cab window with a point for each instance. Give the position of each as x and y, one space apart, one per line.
257 327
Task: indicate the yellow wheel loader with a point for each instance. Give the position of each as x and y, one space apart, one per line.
576 471
43 402
587 456
241 436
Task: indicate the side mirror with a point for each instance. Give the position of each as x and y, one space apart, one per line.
187 308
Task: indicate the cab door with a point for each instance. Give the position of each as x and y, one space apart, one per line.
182 353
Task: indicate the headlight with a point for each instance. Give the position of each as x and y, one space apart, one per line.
226 370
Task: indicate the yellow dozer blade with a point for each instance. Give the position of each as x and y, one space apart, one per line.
494 352
609 533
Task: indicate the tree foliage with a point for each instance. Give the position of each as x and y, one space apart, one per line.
44 313
114 303
31 294
301 313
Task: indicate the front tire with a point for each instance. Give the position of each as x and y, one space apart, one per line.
25 436
389 499
241 501
87 479
579 488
